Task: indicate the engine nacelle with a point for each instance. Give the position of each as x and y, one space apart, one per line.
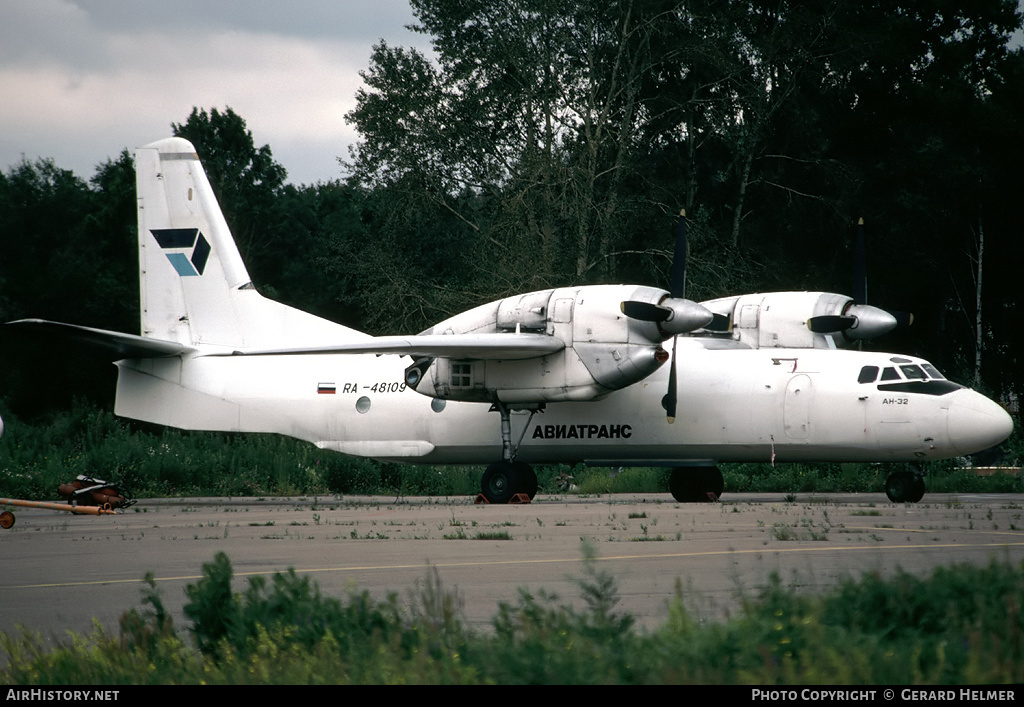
797 320
604 349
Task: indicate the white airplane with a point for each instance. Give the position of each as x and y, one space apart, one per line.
576 374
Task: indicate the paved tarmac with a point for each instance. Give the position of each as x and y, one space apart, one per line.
58 571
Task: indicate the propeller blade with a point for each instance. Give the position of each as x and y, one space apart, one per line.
870 321
669 401
903 319
645 311
860 267
677 277
684 315
719 322
830 323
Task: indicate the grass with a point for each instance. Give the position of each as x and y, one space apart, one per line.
960 625
461 534
492 535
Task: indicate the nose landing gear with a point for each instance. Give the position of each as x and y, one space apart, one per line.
905 487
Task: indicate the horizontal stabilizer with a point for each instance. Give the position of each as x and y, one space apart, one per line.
114 343
469 346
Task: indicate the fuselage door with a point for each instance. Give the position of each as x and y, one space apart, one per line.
560 321
749 315
797 408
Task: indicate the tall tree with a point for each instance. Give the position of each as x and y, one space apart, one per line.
523 132
66 253
246 180
551 141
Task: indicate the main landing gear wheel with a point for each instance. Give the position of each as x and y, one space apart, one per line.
904 487
503 480
696 484
527 479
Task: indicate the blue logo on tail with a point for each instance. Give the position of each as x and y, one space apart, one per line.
187 264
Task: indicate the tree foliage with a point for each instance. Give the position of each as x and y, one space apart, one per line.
544 143
550 142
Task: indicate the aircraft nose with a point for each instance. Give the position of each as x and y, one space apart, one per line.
976 423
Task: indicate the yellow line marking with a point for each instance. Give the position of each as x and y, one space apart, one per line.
497 563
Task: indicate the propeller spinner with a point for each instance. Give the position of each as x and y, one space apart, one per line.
672 315
858 322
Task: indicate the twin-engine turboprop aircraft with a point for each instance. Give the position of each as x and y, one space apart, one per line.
576 374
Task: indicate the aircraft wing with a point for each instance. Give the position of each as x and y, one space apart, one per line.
460 346
115 343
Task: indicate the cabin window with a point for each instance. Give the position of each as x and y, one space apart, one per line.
913 372
462 375
890 374
868 374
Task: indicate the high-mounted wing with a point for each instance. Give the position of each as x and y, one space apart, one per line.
496 346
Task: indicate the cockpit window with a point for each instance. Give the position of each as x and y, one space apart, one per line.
913 372
917 379
889 374
868 374
926 387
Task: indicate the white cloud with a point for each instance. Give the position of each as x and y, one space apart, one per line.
80 83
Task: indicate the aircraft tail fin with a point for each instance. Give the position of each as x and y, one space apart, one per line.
194 287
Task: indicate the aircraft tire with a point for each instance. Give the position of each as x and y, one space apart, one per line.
917 489
904 487
527 479
500 482
696 484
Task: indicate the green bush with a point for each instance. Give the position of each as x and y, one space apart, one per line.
961 625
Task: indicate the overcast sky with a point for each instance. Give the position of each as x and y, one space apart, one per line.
82 80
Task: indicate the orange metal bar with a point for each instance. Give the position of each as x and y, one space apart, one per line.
77 510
